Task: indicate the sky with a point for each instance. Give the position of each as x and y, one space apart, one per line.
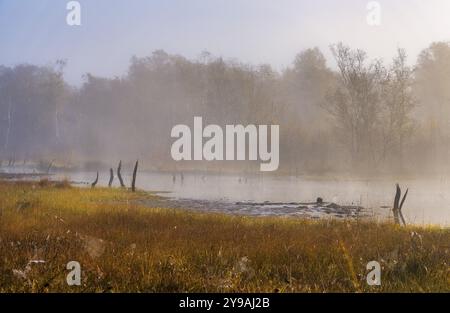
252 31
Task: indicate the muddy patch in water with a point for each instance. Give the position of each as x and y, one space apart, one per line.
290 209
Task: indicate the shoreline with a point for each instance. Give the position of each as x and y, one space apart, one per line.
294 209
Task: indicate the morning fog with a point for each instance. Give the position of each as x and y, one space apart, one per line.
229 145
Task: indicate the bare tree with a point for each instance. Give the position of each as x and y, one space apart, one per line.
354 104
399 103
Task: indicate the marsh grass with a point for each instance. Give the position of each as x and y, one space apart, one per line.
123 246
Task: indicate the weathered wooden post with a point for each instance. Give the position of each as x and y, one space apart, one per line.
12 161
95 182
111 177
397 209
119 175
50 166
133 183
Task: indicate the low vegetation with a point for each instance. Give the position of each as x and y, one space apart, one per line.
125 247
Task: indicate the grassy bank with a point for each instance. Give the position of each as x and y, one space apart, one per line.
122 246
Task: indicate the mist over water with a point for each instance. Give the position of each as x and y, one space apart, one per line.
428 200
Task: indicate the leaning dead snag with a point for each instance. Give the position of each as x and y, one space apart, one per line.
95 182
133 182
397 209
50 166
119 175
111 177
12 161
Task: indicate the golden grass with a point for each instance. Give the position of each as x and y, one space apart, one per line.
123 246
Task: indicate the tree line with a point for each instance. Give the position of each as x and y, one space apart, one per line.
360 115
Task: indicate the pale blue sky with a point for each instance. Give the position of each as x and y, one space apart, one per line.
254 31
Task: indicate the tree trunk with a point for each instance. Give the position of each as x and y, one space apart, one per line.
111 177
8 130
119 175
95 182
397 209
50 166
133 183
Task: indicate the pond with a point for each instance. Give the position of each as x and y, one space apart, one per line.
428 201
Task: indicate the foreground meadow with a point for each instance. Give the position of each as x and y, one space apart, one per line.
125 247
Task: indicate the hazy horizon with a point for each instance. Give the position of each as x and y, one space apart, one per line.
254 32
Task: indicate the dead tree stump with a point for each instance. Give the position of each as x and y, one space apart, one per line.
133 182
119 175
50 166
398 205
111 177
95 182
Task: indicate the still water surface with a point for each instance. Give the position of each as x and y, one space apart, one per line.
428 201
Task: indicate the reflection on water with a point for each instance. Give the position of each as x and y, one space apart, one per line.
428 201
